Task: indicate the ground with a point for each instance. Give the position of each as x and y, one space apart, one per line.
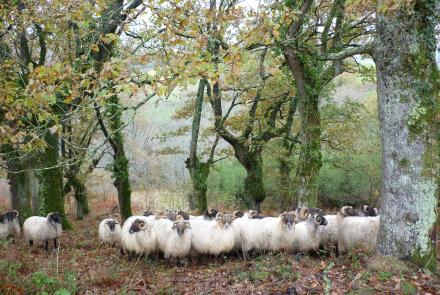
83 266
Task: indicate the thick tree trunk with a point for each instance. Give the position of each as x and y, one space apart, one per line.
285 168
253 183
407 87
310 157
50 191
199 177
17 183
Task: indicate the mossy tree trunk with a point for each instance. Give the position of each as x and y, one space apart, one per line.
408 94
17 182
198 170
50 177
310 158
254 189
120 169
80 193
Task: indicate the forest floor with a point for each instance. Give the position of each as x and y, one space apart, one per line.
83 266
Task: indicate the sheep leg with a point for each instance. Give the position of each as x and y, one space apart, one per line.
55 244
31 243
46 245
114 244
121 251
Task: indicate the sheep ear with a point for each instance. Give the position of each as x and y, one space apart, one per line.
219 215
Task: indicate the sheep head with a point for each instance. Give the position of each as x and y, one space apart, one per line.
224 220
137 226
255 215
210 213
112 224
181 226
171 215
11 215
348 211
288 218
54 217
237 214
319 219
369 210
183 214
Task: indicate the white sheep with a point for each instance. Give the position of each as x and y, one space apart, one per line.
270 233
43 229
212 237
138 236
110 232
173 238
307 233
357 231
329 233
9 225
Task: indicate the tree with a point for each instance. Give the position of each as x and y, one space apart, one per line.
408 91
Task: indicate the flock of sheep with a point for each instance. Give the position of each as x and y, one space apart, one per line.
177 235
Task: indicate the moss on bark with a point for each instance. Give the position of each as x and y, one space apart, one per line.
50 193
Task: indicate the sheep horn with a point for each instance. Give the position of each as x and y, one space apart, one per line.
344 210
304 213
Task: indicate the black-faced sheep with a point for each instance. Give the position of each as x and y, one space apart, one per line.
37 228
110 232
9 225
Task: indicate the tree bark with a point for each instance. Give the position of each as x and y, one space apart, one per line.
17 183
199 171
77 184
407 86
285 168
310 158
50 191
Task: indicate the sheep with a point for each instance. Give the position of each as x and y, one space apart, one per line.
173 238
356 231
110 232
366 210
329 233
210 214
252 214
138 236
270 233
212 237
237 214
9 225
307 233
37 228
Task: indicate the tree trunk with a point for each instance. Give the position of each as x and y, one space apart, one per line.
199 171
50 192
32 186
199 176
17 183
80 193
122 182
310 157
285 168
120 161
253 183
407 85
